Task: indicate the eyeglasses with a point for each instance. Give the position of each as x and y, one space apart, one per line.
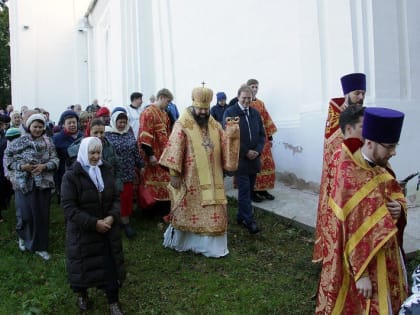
389 146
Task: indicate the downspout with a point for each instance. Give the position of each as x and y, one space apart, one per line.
91 7
88 12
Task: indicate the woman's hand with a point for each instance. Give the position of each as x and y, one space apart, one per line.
109 220
38 168
102 226
27 167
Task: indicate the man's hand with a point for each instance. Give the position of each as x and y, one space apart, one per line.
102 226
394 207
252 155
176 182
153 160
364 287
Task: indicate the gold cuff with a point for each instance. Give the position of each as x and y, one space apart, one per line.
172 172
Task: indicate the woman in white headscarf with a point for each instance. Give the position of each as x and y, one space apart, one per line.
93 238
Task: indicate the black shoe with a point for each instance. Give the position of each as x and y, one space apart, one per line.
83 302
256 197
253 228
241 222
266 195
129 231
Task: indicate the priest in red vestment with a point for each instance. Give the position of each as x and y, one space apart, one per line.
365 272
354 87
266 178
351 123
153 135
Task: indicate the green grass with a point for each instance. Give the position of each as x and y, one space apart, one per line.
268 273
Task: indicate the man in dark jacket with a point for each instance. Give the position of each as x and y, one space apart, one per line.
252 141
218 110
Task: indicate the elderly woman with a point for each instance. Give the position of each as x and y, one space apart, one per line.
62 140
32 159
97 129
93 238
16 121
125 144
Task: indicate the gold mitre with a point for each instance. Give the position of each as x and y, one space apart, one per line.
201 97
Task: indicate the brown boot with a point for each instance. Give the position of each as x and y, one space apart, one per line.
83 301
115 309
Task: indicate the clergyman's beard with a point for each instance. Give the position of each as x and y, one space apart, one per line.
351 103
202 121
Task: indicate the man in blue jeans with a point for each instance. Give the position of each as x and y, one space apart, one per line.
252 139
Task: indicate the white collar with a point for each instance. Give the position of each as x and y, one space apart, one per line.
243 108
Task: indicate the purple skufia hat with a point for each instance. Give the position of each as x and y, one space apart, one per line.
382 125
221 96
352 82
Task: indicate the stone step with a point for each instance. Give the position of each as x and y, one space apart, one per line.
300 207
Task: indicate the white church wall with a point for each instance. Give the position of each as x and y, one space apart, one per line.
298 50
293 53
396 69
47 54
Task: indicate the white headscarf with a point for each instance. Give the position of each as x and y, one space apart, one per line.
114 122
83 158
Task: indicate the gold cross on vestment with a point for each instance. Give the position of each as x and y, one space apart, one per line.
207 144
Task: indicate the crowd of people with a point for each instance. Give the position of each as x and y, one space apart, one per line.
94 160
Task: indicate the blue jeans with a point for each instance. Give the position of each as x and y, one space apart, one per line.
245 184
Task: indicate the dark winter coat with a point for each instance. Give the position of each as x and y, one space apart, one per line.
61 142
87 249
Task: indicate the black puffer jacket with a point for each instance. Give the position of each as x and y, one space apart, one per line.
87 249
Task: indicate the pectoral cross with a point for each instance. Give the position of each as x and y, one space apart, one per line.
207 144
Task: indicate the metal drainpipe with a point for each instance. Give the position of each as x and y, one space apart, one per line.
90 8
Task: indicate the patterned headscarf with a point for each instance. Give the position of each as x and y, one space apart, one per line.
114 119
83 158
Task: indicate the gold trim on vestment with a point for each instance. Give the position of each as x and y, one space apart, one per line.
341 297
361 232
147 135
211 185
155 183
383 287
